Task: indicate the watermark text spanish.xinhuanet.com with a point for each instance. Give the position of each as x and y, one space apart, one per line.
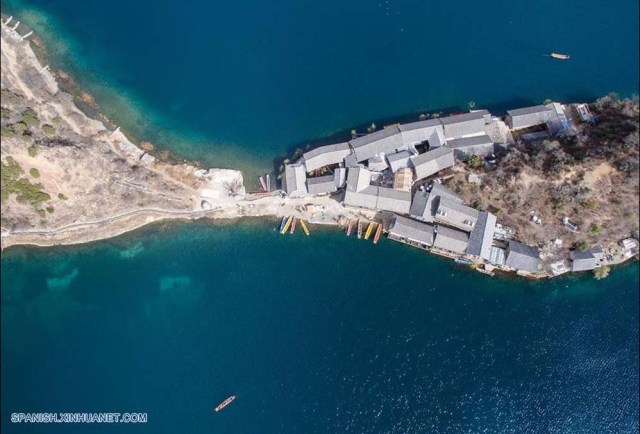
79 417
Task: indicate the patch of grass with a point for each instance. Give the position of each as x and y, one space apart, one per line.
589 204
594 228
20 127
7 133
475 162
5 112
48 130
62 196
33 150
34 172
30 118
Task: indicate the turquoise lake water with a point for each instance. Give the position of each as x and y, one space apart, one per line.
326 333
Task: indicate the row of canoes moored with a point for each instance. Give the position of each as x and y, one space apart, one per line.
368 232
289 224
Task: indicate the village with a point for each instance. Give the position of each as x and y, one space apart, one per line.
393 177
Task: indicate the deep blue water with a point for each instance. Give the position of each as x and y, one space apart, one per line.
318 334
241 82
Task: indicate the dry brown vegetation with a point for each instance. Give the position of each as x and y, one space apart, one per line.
590 176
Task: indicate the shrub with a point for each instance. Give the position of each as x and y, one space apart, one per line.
594 228
50 209
20 127
34 172
48 130
33 150
601 272
582 246
475 162
5 112
62 196
7 133
30 118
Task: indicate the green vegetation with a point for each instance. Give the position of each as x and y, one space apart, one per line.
589 204
33 150
56 121
5 112
594 228
34 172
601 272
475 162
26 137
12 182
10 97
30 118
582 246
20 127
50 209
7 133
62 196
48 130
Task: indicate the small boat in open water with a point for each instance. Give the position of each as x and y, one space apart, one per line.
224 403
560 56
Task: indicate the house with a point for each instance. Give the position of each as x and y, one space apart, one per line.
451 239
582 261
365 198
396 201
529 116
465 125
358 178
326 155
456 214
377 163
411 232
295 180
432 162
430 131
465 147
481 237
340 177
321 184
424 204
522 257
384 141
398 160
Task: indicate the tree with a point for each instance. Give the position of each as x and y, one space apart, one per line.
475 162
582 246
601 272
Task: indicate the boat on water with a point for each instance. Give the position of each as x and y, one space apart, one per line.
293 225
224 403
369 230
378 234
463 261
349 227
360 227
262 183
304 227
268 183
560 56
286 225
282 223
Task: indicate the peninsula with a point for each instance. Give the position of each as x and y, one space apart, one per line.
541 191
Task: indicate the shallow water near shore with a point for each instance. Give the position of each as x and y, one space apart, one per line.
313 334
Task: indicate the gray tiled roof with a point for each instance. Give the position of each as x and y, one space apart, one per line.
386 140
326 155
582 261
358 178
377 164
424 204
481 237
451 239
467 124
432 162
402 229
295 179
340 177
418 132
367 198
321 184
393 200
456 214
522 257
477 145
529 116
399 160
